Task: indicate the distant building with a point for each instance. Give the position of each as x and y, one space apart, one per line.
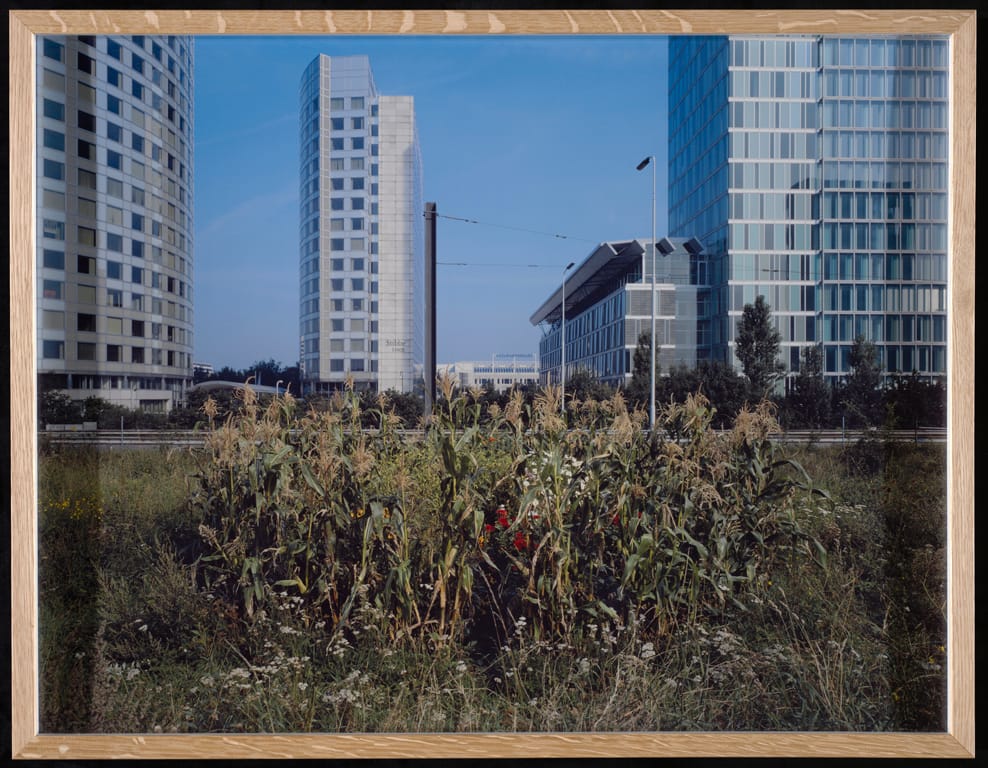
361 250
608 305
114 217
502 372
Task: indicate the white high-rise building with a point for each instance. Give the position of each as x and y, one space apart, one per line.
361 231
114 217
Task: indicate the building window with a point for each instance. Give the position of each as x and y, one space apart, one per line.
336 145
336 123
137 142
337 183
53 350
54 170
114 77
52 289
356 102
54 139
85 64
114 297
114 159
357 123
113 48
113 104
87 179
336 104
357 182
53 50
114 242
336 204
114 132
53 320
54 110
53 259
85 350
113 353
357 142
114 270
85 265
52 229
137 355
336 244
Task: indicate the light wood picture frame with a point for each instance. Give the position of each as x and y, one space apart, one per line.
959 738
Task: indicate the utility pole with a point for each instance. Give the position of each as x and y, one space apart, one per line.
429 372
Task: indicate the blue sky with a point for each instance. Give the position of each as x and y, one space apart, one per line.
530 136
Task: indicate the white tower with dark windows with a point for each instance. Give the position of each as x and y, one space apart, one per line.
361 231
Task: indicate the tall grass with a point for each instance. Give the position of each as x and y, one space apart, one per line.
505 572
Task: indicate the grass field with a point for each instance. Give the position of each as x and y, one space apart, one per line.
503 573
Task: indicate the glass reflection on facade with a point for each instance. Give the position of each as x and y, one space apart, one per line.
814 170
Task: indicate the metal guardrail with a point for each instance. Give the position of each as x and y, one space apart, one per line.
150 438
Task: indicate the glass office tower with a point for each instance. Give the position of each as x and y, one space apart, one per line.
114 217
814 170
361 232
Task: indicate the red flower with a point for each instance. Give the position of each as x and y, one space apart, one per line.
489 528
521 541
502 517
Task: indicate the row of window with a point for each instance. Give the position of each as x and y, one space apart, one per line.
114 297
53 349
114 326
54 229
55 259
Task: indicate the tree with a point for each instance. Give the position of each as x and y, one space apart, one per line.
757 347
861 397
809 401
718 382
57 407
641 375
916 402
584 384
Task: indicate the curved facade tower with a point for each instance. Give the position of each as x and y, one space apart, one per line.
114 217
361 231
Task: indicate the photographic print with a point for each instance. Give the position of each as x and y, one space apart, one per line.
492 383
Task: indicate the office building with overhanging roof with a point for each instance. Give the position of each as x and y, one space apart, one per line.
361 232
814 170
114 218
608 305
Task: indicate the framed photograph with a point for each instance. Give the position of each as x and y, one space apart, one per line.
950 657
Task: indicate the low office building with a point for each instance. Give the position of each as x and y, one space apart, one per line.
502 372
608 305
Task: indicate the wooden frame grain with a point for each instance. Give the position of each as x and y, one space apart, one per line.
957 741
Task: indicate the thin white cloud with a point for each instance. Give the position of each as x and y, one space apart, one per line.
250 209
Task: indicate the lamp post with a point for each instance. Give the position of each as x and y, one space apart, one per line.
651 393
562 335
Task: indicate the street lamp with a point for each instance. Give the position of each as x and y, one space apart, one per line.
651 394
562 333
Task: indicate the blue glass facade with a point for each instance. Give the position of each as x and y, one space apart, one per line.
814 169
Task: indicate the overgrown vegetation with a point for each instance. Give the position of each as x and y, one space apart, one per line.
504 571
